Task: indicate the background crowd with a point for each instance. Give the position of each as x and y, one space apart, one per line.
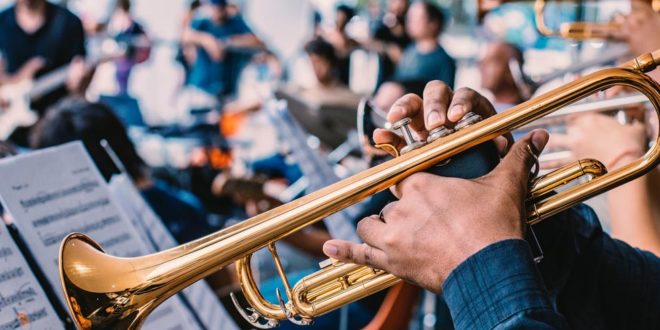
207 152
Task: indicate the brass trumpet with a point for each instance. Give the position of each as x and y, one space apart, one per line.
578 30
103 291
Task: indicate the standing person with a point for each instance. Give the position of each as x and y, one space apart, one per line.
497 77
212 37
390 37
38 37
127 31
425 59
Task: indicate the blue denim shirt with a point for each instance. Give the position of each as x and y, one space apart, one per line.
587 280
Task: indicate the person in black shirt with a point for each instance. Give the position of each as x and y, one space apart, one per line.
38 37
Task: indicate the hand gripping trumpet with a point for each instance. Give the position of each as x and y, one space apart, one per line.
104 292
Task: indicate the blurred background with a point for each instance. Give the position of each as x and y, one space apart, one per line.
219 110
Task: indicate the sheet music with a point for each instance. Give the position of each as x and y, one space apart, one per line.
58 190
23 303
151 228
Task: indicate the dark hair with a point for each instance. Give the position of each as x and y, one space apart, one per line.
322 48
6 149
347 10
434 14
75 119
125 5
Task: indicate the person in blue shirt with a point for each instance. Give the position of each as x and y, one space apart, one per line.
425 59
465 238
213 37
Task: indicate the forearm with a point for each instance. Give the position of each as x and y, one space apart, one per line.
632 219
201 39
247 40
499 287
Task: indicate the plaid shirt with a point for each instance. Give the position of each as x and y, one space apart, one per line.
587 280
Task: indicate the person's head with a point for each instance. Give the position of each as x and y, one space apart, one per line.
124 5
30 3
496 75
219 10
323 58
390 91
424 20
397 7
343 15
90 123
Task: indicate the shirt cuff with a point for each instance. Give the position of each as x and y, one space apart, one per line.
493 285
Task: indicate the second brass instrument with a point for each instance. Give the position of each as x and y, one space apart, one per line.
105 292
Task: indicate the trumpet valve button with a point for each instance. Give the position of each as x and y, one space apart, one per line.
411 143
438 132
401 123
412 146
468 119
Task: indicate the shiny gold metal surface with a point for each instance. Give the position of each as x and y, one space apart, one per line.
578 30
106 292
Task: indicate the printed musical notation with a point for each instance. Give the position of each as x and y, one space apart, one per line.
23 303
53 192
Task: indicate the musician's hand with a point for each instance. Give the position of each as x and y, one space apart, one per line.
617 144
440 106
29 69
76 75
640 28
439 222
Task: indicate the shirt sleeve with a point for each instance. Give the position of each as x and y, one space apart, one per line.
77 39
239 26
500 287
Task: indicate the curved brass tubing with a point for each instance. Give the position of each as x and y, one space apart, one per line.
106 292
573 30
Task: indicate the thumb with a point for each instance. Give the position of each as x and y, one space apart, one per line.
522 156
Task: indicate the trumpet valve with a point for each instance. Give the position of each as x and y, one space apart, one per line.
468 119
438 132
403 127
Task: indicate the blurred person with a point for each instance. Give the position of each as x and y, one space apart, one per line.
328 90
36 38
639 29
390 37
75 119
425 59
496 75
213 37
126 31
342 43
186 53
631 206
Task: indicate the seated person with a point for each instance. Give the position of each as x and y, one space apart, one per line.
477 255
213 37
390 38
340 40
425 59
74 119
497 78
328 90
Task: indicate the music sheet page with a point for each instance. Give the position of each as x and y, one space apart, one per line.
23 302
53 192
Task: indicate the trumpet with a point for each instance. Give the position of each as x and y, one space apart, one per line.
578 30
103 291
